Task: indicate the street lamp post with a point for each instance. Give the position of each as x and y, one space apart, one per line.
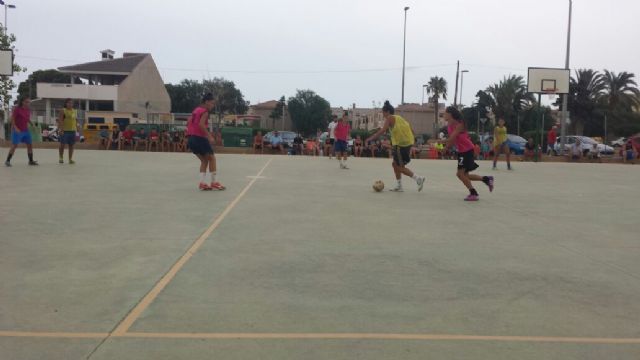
423 90
6 7
404 48
462 83
565 97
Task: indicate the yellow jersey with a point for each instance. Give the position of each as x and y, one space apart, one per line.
401 134
500 134
70 120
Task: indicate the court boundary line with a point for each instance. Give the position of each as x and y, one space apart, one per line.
133 315
326 336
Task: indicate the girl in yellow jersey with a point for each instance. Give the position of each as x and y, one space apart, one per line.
402 140
500 143
67 127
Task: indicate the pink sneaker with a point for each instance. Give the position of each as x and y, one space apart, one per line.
204 187
217 186
472 198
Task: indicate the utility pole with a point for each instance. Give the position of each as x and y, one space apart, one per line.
455 95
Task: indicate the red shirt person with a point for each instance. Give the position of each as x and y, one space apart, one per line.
341 133
551 139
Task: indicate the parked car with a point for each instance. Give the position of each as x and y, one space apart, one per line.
516 143
619 142
287 137
586 143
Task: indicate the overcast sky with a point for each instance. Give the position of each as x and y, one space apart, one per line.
348 51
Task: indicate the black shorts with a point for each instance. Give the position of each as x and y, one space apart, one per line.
401 155
467 161
332 141
199 145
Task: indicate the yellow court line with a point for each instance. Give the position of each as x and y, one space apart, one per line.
328 336
135 313
365 336
58 335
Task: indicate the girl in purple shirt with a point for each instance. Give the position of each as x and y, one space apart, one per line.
459 137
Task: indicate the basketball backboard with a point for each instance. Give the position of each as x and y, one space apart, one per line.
548 81
6 62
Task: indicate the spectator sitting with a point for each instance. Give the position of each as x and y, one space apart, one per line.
126 138
594 153
258 143
441 150
357 146
529 150
141 138
165 140
276 142
115 138
327 146
486 150
576 151
373 148
298 145
154 139
386 146
629 152
104 139
311 147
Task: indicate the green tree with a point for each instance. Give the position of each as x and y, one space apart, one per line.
7 42
309 112
185 96
278 112
507 99
621 91
436 87
28 87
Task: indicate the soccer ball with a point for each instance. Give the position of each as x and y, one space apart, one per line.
378 186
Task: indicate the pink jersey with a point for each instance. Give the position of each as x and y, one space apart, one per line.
193 128
342 131
463 141
22 118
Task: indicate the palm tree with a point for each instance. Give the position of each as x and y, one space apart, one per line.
585 91
621 91
507 98
438 87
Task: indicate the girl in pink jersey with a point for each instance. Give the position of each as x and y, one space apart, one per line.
199 143
459 137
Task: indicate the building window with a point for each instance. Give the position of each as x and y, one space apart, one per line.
96 120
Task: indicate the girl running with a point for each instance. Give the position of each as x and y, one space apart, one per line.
500 143
402 140
459 137
200 140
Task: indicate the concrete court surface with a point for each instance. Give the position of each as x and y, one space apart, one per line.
120 257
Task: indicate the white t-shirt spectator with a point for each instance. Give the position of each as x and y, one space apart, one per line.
332 129
576 150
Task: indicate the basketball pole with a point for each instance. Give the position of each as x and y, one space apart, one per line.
565 97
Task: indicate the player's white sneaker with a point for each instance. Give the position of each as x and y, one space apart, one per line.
420 181
398 188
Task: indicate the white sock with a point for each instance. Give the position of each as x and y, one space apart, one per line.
213 177
340 161
203 178
399 182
